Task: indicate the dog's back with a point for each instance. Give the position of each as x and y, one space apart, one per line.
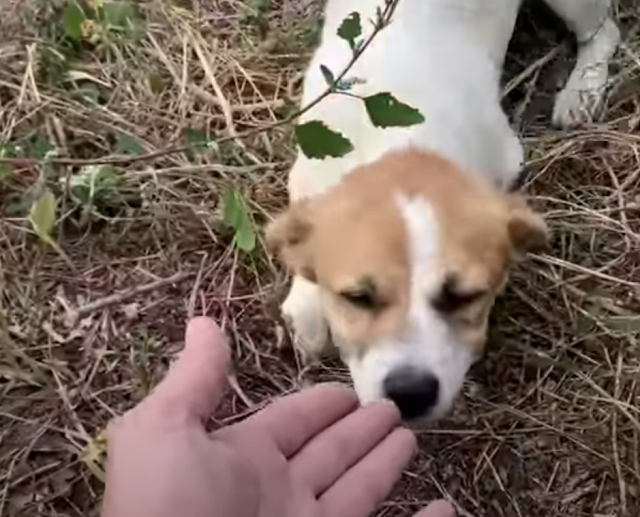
442 57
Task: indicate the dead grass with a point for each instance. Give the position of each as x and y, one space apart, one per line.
549 423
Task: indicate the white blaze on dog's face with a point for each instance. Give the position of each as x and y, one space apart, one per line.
409 253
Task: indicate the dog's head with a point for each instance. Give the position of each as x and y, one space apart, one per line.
409 253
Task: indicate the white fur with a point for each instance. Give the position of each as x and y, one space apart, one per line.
598 37
582 98
303 311
443 57
428 344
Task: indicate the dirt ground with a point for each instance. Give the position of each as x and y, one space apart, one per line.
549 422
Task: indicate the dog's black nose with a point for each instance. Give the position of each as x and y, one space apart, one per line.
415 392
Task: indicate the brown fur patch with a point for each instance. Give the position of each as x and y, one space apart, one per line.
355 233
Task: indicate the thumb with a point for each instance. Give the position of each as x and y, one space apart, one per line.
196 381
440 508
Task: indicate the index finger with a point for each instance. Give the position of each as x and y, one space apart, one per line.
293 420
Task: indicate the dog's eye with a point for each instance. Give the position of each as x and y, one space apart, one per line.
363 296
360 299
451 299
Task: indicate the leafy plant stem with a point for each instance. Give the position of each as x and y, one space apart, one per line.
381 23
349 94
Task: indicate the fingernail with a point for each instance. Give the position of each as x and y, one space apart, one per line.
388 405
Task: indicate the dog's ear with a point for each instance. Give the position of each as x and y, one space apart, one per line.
527 230
289 236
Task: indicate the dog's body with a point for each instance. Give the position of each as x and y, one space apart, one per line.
419 215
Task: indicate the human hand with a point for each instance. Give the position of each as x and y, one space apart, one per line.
312 454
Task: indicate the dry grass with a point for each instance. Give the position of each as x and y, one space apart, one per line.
549 423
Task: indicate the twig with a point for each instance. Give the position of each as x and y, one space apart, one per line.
548 259
211 77
387 13
622 486
529 71
235 386
126 294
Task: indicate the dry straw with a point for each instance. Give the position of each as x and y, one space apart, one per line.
549 423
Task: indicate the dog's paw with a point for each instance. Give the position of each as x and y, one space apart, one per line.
302 312
582 100
310 336
584 96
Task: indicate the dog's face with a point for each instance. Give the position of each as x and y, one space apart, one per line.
409 253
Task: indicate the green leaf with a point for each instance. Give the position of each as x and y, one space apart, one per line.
585 324
128 145
42 215
93 182
255 12
235 214
328 76
197 139
119 14
39 146
316 140
231 210
73 18
350 29
385 110
156 83
246 237
261 6
53 65
6 171
624 324
380 21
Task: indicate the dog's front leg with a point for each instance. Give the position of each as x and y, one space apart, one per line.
302 310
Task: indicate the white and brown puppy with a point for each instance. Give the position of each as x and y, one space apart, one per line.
399 248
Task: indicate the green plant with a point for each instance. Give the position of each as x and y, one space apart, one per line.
315 139
43 220
85 21
94 189
318 141
195 139
256 14
236 215
383 108
126 144
6 170
99 21
71 28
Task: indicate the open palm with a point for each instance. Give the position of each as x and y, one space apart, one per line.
312 454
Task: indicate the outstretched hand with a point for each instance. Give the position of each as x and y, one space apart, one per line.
312 454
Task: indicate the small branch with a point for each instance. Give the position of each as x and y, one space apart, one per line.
385 18
235 386
123 296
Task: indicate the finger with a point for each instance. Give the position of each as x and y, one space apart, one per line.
330 454
367 484
438 509
197 379
293 420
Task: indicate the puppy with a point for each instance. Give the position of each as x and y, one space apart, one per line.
399 248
